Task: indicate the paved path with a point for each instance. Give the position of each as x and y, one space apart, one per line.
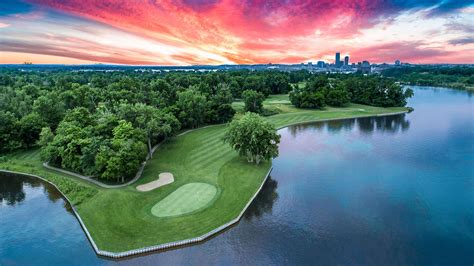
94 181
97 182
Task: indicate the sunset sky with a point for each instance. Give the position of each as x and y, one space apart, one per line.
190 32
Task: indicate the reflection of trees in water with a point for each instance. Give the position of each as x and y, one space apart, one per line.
295 129
264 201
54 195
331 126
386 124
11 187
52 192
11 190
336 126
368 125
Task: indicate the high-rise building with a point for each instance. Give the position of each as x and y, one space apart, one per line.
397 62
321 64
337 63
364 67
346 60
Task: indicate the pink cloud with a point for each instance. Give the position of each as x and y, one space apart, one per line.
247 31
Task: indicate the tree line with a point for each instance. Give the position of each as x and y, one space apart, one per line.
339 90
104 124
458 77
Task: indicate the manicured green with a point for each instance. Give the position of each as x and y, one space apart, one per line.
121 219
186 199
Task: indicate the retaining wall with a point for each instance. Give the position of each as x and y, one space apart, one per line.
181 242
150 248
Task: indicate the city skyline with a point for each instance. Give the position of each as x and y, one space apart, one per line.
193 32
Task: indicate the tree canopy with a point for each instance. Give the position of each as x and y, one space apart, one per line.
253 101
253 138
76 116
338 91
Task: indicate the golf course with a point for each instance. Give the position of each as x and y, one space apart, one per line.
212 183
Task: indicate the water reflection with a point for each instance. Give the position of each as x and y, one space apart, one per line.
53 194
367 125
11 188
364 191
264 201
387 124
336 126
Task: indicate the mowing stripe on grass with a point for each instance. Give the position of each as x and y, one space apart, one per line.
206 149
209 162
216 153
186 199
210 136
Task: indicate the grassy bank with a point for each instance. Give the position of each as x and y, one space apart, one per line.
121 219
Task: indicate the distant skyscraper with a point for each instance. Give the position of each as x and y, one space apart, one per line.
321 64
338 60
346 60
364 67
397 62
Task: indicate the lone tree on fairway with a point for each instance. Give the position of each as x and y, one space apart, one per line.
253 101
253 137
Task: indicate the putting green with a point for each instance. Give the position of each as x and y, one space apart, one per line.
185 199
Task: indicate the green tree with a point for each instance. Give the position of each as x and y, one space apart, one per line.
302 98
253 101
278 82
123 157
256 83
313 95
253 137
50 107
220 105
45 136
155 122
8 132
162 94
30 129
192 108
337 96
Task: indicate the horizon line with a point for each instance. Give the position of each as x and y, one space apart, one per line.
217 65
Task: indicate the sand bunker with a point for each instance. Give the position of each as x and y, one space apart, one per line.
163 179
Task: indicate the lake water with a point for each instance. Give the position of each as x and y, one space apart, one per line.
372 191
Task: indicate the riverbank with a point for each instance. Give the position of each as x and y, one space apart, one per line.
120 220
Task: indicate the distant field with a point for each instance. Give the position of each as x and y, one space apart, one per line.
122 219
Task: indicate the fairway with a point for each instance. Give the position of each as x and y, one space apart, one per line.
126 218
185 199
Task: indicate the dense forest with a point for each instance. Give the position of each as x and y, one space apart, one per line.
458 77
104 123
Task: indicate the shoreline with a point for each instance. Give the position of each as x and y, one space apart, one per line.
205 236
349 117
133 252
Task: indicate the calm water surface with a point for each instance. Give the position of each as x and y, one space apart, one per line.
379 191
